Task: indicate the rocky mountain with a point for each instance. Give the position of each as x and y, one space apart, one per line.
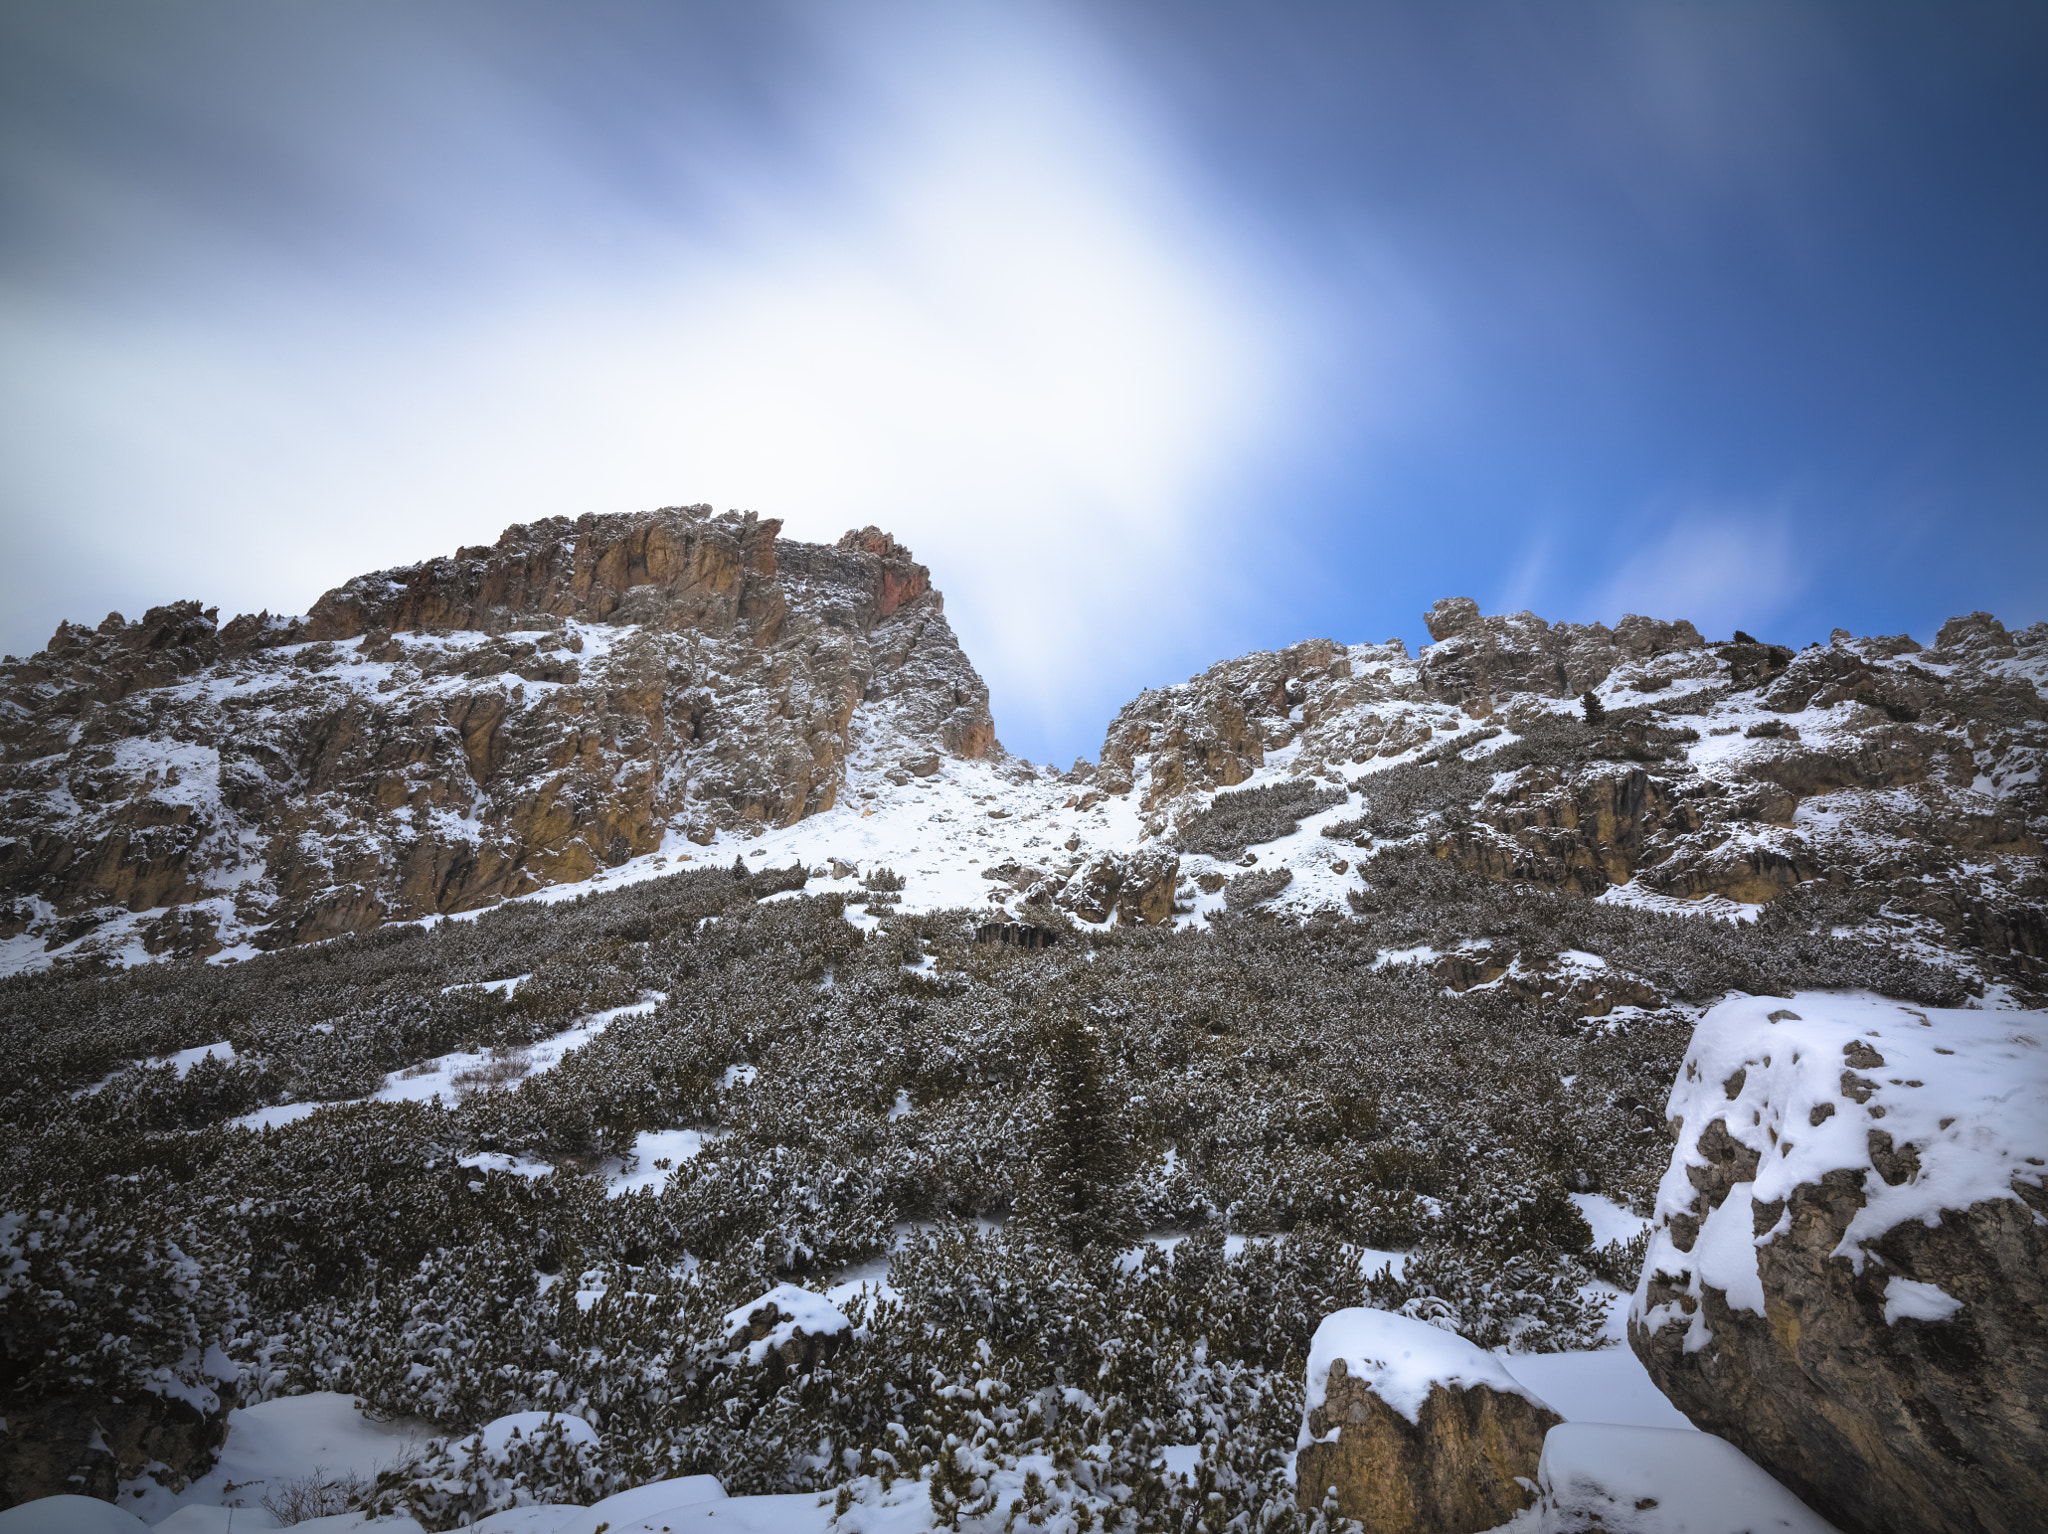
440 737
1718 776
605 697
811 1094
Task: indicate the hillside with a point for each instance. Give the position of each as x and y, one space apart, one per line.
1075 1098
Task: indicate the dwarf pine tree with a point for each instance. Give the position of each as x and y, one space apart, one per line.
1596 711
1077 1190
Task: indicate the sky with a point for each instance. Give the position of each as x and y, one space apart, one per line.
1159 331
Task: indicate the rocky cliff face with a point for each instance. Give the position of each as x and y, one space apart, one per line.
440 737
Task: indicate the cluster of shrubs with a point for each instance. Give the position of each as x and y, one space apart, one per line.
1001 1126
1246 817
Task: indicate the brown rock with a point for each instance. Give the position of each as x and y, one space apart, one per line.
1454 1467
1480 659
88 1447
440 737
1887 1368
1134 887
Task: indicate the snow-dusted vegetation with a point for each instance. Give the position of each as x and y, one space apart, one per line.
989 1133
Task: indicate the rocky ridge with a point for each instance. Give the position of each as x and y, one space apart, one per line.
1719 777
610 697
440 737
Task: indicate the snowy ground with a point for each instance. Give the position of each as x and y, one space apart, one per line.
1645 1449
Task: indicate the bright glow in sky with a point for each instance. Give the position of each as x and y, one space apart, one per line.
1158 333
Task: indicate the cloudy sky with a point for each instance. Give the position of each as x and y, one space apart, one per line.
1159 331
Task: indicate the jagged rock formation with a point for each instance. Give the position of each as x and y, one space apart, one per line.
1481 661
439 737
1736 770
1849 1276
1415 1430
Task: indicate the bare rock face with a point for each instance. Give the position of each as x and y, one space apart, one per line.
1416 1430
1480 660
440 737
1214 730
1849 1275
1133 887
88 1448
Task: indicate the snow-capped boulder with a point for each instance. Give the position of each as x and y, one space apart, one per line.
1849 1274
1414 1428
787 1328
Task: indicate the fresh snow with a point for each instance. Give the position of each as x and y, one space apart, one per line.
439 1079
803 1310
1399 1359
1647 1480
674 1146
1966 1090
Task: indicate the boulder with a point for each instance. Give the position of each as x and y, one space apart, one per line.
1416 1430
1848 1278
788 1330
1134 887
61 1444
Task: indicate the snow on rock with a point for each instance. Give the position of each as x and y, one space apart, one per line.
1400 1360
1851 1255
1931 1109
1647 1480
1413 1428
782 1322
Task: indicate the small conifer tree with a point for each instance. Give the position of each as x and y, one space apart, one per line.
1596 711
1077 1192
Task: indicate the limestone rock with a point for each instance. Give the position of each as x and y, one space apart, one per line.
1849 1275
788 1331
1416 1429
1483 659
440 737
1134 887
90 1447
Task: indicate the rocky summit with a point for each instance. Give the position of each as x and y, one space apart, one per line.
439 737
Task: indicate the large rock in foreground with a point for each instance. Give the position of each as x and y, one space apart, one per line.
1849 1275
1416 1429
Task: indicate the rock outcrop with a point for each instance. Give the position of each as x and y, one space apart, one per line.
439 737
1734 771
1849 1275
1135 888
1480 661
56 1446
1415 1430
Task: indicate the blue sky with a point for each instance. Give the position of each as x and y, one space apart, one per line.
1160 331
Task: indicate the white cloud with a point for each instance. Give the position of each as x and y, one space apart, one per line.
986 312
1722 567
